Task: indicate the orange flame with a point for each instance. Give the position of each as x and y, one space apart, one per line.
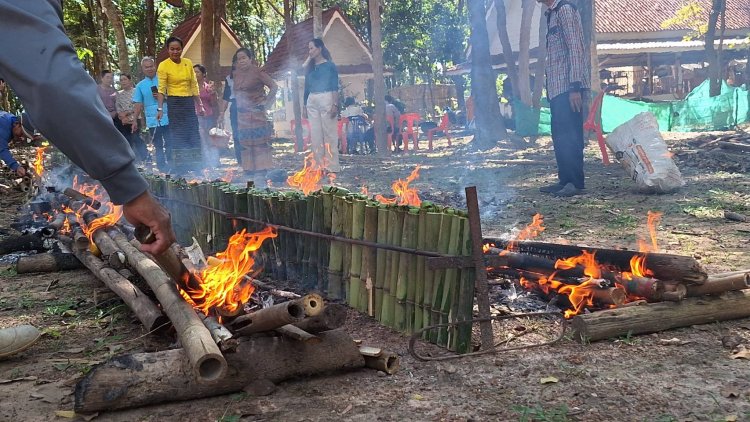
228 176
364 191
222 284
586 259
529 232
90 190
108 220
308 179
65 229
404 194
39 161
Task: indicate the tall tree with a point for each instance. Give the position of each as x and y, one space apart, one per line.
541 59
713 55
489 123
317 15
149 47
212 13
502 32
376 43
293 79
524 45
115 18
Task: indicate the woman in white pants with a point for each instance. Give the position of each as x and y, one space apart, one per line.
322 105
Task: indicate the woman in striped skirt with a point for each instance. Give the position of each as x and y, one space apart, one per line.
177 83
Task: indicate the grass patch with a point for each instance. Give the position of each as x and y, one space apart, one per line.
540 414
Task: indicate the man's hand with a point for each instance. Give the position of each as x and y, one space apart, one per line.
146 210
159 114
20 171
576 102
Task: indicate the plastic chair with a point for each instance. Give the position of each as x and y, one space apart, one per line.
591 124
306 140
343 122
412 129
442 127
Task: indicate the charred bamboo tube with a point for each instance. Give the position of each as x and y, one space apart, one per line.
206 360
143 308
645 287
298 334
312 304
380 267
47 262
719 283
387 362
78 196
268 319
147 378
58 222
26 242
332 317
355 263
654 317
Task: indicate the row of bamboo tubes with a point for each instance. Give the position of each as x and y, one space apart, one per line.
394 287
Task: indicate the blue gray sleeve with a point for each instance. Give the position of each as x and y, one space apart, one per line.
333 75
61 98
6 156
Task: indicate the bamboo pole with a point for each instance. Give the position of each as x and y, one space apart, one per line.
439 281
369 261
418 298
432 236
355 265
403 282
395 227
380 264
465 309
347 256
325 246
335 261
450 291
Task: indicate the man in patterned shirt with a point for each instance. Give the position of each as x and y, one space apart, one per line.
568 74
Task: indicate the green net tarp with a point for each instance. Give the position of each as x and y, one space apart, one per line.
697 112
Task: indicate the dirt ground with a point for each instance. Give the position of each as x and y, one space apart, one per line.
642 378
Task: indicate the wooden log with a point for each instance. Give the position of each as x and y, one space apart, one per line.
663 266
298 334
47 262
26 242
734 146
208 364
143 308
332 317
268 319
734 216
719 283
113 254
78 196
654 317
148 378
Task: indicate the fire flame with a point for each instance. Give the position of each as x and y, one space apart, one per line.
364 190
404 194
228 176
107 220
90 190
308 179
39 161
222 284
65 229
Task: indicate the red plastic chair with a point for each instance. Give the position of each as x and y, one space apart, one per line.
411 131
591 124
306 140
442 127
341 130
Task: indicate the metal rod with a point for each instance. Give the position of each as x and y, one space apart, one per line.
316 234
480 271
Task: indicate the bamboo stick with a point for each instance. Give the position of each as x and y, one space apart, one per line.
347 256
268 319
420 270
439 281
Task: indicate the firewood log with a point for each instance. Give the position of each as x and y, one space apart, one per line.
653 317
78 196
206 359
719 283
147 378
26 242
47 262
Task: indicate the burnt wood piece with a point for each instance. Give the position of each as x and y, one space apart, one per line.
78 196
654 317
332 317
25 242
664 266
47 263
733 216
208 364
143 308
148 378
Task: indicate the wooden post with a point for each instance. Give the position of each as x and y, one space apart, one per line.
482 289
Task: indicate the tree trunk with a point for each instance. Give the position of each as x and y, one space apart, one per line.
376 44
99 20
524 87
510 60
293 80
661 316
489 123
150 42
148 378
115 17
209 55
712 56
541 60
317 15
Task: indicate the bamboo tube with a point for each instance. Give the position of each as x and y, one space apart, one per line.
380 268
403 280
439 280
268 319
336 256
325 245
355 266
312 304
387 362
465 309
395 227
369 261
347 260
317 243
419 277
450 291
208 364
432 235
306 222
719 283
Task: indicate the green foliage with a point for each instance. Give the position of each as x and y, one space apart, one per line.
689 16
540 414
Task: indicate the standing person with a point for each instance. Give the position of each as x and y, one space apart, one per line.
322 105
145 98
228 100
208 119
128 119
393 113
55 89
254 129
11 127
107 93
178 84
568 81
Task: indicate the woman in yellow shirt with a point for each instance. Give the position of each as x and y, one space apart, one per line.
177 83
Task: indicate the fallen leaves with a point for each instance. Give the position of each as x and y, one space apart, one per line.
549 380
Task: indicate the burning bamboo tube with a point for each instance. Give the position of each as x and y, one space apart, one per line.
609 296
78 196
439 279
719 283
268 319
335 260
465 302
380 264
369 261
450 289
432 224
208 364
645 287
114 255
355 263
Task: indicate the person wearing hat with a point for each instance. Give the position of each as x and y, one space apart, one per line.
11 127
42 67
